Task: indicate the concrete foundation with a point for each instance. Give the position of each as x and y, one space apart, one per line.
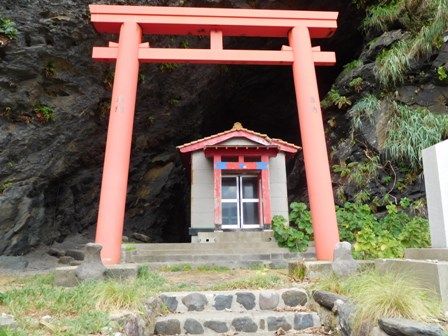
433 275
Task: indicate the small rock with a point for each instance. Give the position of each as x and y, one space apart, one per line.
343 263
66 260
268 300
345 311
327 299
170 302
125 239
376 331
168 327
75 254
141 237
246 299
192 326
223 302
92 268
195 302
303 321
217 326
293 298
7 321
244 324
275 323
13 263
403 327
75 263
53 251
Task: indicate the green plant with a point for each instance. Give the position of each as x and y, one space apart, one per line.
301 218
352 66
378 295
382 15
392 64
5 185
44 113
358 173
167 67
365 108
410 130
287 236
49 69
442 73
356 84
8 28
334 98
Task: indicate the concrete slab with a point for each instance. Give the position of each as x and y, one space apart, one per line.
440 254
433 275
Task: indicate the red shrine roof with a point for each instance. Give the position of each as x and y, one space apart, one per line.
238 131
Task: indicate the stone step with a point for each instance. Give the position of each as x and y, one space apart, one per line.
212 257
236 250
196 246
235 300
215 323
247 236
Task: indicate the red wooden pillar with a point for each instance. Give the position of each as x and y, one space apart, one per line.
217 191
266 193
118 147
317 168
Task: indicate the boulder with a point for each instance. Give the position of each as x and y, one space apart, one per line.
327 299
195 302
141 237
404 327
13 263
7 321
343 262
92 268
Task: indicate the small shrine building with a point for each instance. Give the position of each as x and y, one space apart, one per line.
238 180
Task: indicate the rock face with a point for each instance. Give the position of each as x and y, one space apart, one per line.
50 171
327 299
343 262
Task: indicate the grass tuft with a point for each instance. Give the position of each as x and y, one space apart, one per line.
384 295
365 108
261 280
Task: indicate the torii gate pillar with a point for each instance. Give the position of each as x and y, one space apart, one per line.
130 22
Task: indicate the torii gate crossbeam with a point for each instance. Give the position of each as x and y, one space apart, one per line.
132 22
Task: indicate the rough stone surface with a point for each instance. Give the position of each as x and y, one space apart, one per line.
294 298
275 323
141 237
75 254
170 302
345 311
168 327
217 326
65 276
122 271
327 299
244 324
7 321
55 252
195 301
65 260
403 327
268 300
192 326
13 263
246 299
223 302
343 262
92 268
303 321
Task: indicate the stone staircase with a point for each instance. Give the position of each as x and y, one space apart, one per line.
231 249
236 312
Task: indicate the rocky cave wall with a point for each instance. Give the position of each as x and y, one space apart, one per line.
50 170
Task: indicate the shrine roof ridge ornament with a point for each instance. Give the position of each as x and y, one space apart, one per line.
200 21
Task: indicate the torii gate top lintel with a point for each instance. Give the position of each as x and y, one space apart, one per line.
130 23
200 21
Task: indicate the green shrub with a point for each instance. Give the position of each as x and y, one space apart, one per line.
8 28
382 15
365 108
44 113
442 73
410 130
372 236
356 84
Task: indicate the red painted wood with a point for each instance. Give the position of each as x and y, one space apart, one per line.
217 174
214 56
266 193
200 21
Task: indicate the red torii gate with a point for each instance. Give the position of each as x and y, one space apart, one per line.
132 22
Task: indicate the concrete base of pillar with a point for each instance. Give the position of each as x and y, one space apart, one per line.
431 274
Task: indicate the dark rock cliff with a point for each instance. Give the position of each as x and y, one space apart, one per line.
54 102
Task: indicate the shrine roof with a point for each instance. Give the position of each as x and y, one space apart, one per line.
238 131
